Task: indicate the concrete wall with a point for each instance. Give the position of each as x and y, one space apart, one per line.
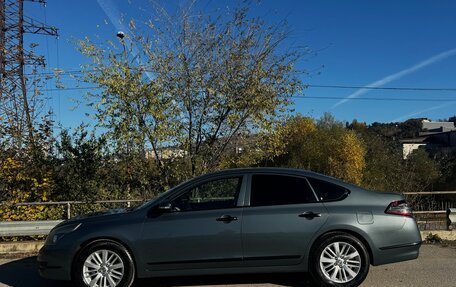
408 148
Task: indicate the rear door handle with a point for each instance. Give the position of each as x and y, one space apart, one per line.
309 215
227 218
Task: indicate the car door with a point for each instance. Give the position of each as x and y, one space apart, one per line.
202 231
280 218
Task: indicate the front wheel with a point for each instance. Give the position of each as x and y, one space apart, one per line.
104 264
340 260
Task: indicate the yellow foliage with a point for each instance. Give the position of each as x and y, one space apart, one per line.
23 187
348 161
326 148
300 127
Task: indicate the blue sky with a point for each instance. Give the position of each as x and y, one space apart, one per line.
358 43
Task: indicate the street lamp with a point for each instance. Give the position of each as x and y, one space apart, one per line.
121 35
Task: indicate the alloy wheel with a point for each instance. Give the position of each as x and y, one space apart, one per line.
103 268
340 262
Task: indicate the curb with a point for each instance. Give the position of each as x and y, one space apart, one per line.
20 247
444 234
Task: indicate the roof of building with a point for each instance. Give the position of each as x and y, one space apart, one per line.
437 126
426 136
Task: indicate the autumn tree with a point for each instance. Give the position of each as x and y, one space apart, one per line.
185 89
386 170
324 146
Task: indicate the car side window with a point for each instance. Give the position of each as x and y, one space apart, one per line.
327 191
267 189
216 194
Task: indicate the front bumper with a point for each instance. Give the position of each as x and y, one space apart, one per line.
54 263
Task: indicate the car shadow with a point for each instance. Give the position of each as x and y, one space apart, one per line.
24 273
283 279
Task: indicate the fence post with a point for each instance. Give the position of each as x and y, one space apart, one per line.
451 218
68 210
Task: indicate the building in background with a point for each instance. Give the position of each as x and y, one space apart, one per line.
434 138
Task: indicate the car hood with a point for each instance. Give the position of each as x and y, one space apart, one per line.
95 216
102 213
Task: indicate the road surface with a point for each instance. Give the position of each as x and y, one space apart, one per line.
436 266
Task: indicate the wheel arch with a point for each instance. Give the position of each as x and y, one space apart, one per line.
353 233
95 240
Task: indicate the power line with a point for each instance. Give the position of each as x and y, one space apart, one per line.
79 71
303 97
58 72
376 99
69 89
383 88
74 72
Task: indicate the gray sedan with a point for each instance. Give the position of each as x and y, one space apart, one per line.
238 221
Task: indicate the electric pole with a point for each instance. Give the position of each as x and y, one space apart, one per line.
14 101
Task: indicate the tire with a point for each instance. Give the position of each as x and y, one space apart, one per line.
108 263
347 267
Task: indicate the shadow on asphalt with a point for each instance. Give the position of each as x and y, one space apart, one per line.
285 279
24 273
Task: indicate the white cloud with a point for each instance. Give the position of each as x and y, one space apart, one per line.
407 116
113 14
398 75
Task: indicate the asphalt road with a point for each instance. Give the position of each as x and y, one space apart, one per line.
436 266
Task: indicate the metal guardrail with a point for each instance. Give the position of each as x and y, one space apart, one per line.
431 208
30 228
451 218
69 203
429 192
27 228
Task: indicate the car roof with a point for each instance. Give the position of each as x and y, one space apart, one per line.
279 170
289 171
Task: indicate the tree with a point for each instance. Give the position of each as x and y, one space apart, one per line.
386 170
77 167
348 161
324 146
27 176
194 84
408 129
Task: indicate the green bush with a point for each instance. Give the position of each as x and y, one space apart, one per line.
433 238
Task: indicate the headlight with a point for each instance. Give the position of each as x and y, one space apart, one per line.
57 233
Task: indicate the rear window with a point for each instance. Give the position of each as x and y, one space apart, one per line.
327 191
279 190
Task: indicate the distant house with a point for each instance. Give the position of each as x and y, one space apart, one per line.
434 137
166 153
429 127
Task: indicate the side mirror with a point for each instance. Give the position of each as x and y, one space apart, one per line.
165 207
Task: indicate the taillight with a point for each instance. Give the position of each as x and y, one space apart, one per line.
399 207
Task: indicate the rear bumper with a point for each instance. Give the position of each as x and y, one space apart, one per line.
397 253
402 246
53 263
397 245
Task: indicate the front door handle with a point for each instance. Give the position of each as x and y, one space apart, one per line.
309 215
227 218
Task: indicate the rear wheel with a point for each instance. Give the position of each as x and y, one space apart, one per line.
340 260
104 264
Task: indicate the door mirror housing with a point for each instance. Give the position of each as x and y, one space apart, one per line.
158 210
165 207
